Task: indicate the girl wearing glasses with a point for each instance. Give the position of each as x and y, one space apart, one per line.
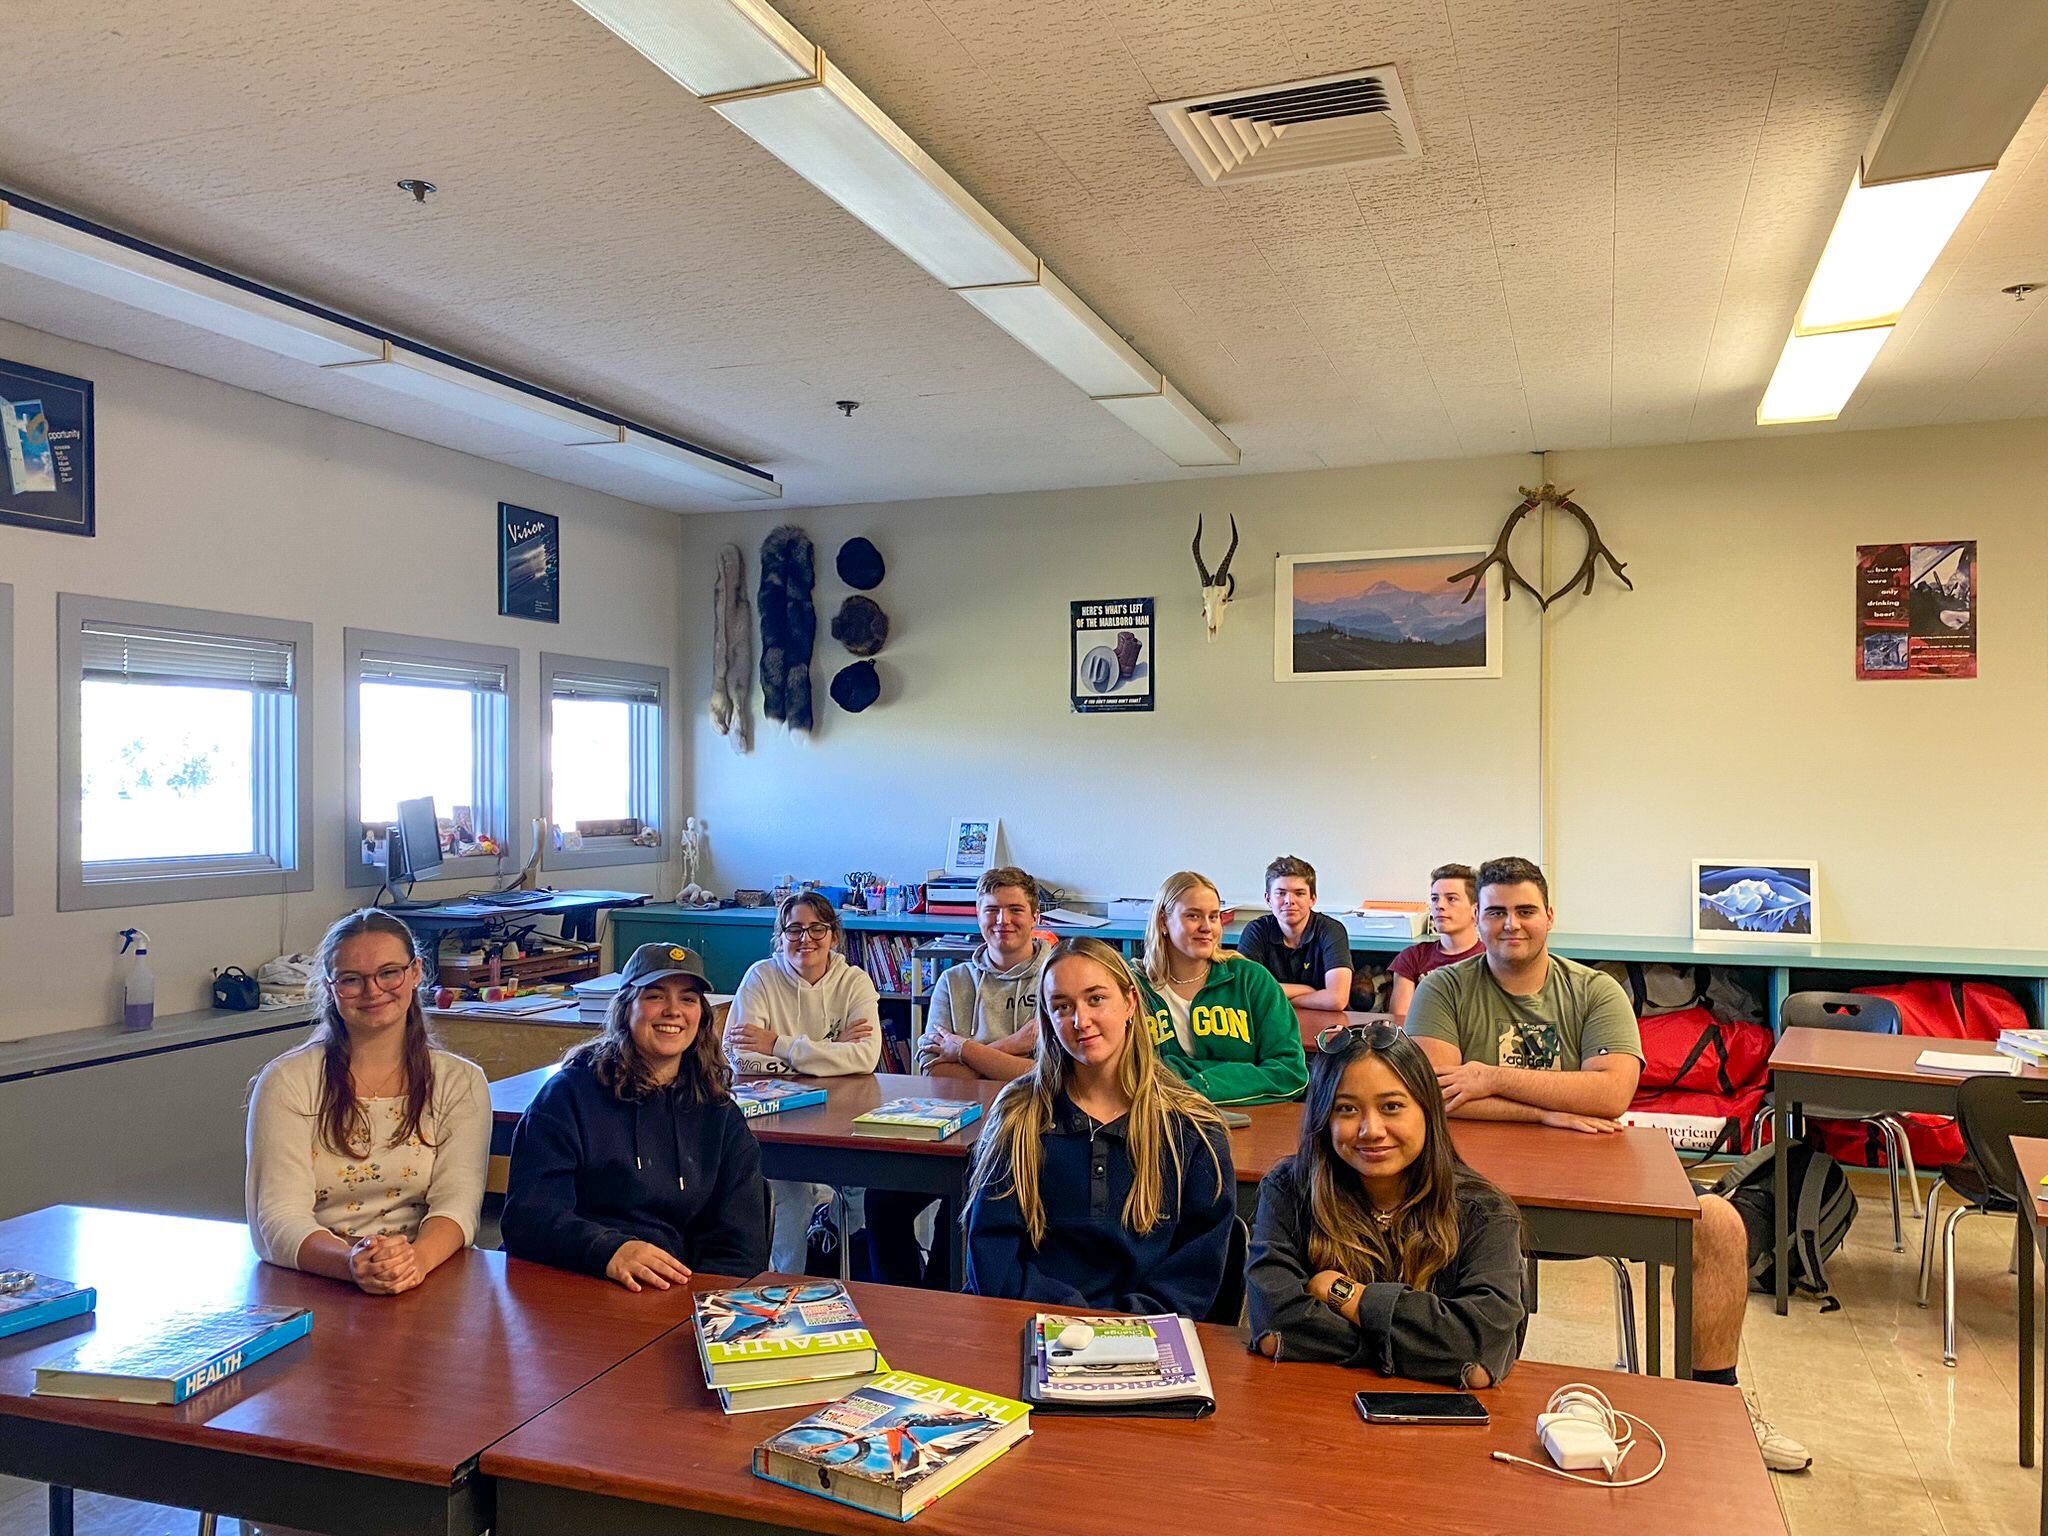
1374 1245
804 1011
1101 1180
367 1146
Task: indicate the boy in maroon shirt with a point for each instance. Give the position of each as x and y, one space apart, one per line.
1453 898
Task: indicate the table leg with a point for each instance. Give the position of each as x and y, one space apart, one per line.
1653 1319
1781 1201
2026 1301
1681 1305
60 1511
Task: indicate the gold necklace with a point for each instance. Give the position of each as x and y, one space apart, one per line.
1188 981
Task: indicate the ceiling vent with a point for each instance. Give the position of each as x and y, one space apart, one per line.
1360 118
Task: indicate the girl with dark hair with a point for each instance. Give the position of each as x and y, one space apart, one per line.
1374 1245
367 1146
633 1162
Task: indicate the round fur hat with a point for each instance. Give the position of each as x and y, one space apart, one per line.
861 626
860 565
856 686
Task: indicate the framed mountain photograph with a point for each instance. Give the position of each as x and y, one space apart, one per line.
1773 899
1384 614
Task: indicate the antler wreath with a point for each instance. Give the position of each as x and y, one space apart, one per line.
1589 567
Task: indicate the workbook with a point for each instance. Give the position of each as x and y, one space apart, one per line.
895 1446
1968 1063
29 1300
770 1335
1140 1366
166 1359
758 1096
917 1119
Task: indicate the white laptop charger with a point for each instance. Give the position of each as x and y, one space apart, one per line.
1582 1431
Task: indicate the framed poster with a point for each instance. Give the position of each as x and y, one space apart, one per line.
46 450
971 844
529 564
1384 614
1755 899
1916 610
1109 660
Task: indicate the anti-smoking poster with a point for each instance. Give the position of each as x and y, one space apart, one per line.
1916 610
1111 662
45 450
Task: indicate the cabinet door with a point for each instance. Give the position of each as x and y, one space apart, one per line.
726 949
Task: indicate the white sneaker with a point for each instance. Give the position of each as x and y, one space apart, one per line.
1781 1452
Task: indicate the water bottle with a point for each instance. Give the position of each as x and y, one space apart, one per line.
138 986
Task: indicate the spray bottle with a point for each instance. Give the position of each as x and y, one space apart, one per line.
138 983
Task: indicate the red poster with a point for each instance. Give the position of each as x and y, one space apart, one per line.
1916 610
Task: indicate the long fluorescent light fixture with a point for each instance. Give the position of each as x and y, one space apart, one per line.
1884 242
1817 374
1049 320
710 47
1165 419
457 389
700 472
78 259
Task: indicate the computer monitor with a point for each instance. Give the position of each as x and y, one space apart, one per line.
415 845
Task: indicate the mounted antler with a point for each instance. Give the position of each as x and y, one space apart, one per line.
1220 588
1499 555
1596 551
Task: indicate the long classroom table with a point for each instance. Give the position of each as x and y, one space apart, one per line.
645 1451
1623 1195
369 1426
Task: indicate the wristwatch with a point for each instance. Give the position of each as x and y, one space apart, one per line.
1342 1289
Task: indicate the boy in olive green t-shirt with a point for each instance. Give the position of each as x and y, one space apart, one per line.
1578 1014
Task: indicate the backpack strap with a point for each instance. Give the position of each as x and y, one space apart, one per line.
1711 1035
1806 1233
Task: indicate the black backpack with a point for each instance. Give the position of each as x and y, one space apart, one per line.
1823 1208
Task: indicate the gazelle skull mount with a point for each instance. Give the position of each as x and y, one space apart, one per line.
1220 588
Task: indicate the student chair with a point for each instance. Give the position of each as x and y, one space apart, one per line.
1229 1305
1991 1111
1863 1015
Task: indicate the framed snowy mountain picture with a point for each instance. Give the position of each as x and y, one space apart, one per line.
1385 614
1775 899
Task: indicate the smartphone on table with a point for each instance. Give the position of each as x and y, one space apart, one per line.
1420 1408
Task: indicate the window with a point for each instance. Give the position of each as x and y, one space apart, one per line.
601 745
7 768
179 761
429 717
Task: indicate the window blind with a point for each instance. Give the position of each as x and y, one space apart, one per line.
419 671
624 690
129 653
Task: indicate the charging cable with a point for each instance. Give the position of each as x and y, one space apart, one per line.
1580 1428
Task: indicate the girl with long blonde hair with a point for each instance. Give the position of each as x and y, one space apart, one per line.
1101 1180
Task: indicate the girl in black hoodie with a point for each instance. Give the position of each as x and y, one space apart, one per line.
633 1162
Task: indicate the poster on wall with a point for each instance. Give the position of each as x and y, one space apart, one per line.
1916 610
1755 899
46 450
1384 614
529 564
1110 662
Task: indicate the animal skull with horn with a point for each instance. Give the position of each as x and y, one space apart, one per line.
1219 589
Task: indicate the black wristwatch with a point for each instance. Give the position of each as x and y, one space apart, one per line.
1342 1289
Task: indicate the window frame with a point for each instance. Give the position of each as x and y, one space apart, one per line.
609 851
357 875
10 771
283 789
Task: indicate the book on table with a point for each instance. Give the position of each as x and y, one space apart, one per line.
796 1394
1968 1063
29 1300
758 1096
1138 1366
917 1119
2029 1046
772 1335
165 1359
894 1446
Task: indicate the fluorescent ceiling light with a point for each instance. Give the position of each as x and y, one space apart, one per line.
1885 239
700 472
1817 374
1049 320
31 243
846 146
1170 424
457 389
711 46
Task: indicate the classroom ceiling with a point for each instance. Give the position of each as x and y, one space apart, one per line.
1616 209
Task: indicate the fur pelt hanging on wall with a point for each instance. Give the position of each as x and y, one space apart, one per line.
789 626
732 651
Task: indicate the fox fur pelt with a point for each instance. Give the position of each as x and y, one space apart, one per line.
732 651
789 626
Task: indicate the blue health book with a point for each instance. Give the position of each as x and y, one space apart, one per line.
917 1119
39 1301
758 1096
168 1358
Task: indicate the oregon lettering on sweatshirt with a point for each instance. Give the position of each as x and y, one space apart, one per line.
1203 1020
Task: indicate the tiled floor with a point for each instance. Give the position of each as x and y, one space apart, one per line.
1901 1443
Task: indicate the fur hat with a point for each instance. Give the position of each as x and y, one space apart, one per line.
861 626
860 565
856 687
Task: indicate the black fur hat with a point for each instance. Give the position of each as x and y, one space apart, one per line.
856 686
861 626
860 565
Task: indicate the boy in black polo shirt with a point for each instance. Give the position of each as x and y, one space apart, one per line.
1308 952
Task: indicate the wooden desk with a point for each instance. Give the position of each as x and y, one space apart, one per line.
1284 1451
2032 1155
370 1426
1845 1070
1624 1196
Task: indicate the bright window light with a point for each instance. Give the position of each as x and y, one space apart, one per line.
166 771
1884 241
1816 375
593 760
417 741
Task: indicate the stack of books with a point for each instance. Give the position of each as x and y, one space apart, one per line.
29 1300
594 997
758 1096
2028 1046
783 1346
1149 1366
917 1119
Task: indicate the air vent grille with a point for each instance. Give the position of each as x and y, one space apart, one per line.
1281 130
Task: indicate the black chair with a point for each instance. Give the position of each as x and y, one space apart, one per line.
1863 1015
1229 1305
1991 1111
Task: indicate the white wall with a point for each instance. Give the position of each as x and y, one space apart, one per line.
212 497
1711 712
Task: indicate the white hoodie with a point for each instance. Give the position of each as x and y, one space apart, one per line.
808 1020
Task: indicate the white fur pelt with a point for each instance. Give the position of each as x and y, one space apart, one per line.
732 651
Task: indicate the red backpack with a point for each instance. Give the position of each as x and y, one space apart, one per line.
1694 1064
